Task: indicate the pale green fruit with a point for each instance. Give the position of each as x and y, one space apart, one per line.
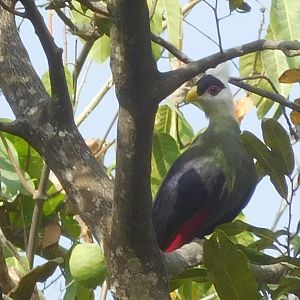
87 265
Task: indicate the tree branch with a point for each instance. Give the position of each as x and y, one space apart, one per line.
273 96
58 81
54 136
191 255
171 48
170 81
6 284
39 196
134 73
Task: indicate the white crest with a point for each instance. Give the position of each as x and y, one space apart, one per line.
221 72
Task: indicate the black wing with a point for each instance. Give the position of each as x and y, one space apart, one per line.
193 185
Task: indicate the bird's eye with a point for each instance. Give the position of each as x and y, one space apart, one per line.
213 90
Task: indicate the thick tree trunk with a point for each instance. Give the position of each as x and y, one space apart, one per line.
136 264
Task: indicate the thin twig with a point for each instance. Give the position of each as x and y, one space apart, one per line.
253 77
67 21
218 26
91 106
87 46
6 283
202 33
101 9
281 210
109 129
81 85
16 167
104 291
187 8
272 96
46 286
39 197
170 47
289 203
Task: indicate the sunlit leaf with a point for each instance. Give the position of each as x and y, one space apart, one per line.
100 50
284 22
275 63
170 120
29 159
8 175
174 21
164 153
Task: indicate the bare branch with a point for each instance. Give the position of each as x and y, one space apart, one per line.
191 255
39 196
96 7
170 81
5 281
54 56
171 48
273 96
49 131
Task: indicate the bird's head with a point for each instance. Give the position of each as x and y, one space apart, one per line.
213 93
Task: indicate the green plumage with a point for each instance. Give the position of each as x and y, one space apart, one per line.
211 182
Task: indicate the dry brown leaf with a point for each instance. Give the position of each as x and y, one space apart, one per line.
290 76
51 235
242 106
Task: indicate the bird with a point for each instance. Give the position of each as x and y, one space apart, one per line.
214 179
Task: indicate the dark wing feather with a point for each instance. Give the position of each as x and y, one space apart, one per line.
192 186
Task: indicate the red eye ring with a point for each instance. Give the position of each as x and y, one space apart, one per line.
213 90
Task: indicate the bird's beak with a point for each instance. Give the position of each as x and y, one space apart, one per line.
192 95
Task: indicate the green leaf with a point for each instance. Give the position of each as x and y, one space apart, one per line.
51 205
287 284
284 22
255 256
156 26
69 81
275 63
228 269
8 174
170 120
278 140
251 64
165 121
100 50
257 149
70 227
29 159
164 153
234 4
264 63
174 21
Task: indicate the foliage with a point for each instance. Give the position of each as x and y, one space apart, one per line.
232 247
